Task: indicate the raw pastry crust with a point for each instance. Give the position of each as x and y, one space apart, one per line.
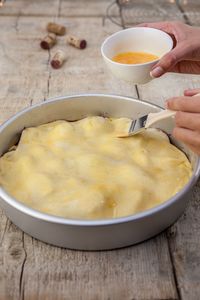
83 170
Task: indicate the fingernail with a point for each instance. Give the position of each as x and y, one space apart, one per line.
157 72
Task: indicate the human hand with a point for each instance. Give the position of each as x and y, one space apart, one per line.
185 56
187 118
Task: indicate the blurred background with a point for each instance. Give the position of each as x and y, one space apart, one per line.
136 11
127 13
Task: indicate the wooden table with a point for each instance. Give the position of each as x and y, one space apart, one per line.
164 267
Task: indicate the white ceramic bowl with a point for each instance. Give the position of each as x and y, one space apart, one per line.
137 39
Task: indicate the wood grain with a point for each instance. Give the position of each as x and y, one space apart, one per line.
12 259
184 239
165 267
119 274
52 8
150 11
170 85
84 71
183 236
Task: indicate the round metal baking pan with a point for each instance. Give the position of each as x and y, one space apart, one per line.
91 234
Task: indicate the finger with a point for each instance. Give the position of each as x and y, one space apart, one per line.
186 67
187 136
191 92
185 104
169 60
188 120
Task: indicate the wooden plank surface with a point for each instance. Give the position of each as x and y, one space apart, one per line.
184 240
184 236
77 75
150 11
121 274
51 8
165 267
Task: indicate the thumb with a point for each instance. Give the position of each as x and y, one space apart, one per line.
169 60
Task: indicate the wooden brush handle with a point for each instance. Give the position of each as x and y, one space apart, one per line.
164 114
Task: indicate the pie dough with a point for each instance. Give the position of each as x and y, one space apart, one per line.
83 170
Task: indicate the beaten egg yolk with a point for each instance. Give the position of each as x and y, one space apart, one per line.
134 57
83 170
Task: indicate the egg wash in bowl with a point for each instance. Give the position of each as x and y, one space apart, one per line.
134 57
83 170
